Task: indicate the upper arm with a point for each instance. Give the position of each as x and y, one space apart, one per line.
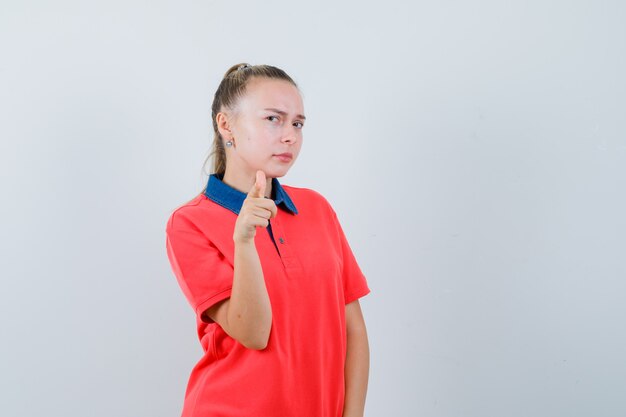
218 312
203 270
354 317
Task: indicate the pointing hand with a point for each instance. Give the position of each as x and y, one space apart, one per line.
255 211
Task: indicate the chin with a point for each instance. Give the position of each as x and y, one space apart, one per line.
277 173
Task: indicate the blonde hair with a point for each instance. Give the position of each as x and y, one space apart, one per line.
231 89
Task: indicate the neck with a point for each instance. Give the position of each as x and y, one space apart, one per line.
244 181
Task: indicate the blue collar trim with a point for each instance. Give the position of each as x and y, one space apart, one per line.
232 199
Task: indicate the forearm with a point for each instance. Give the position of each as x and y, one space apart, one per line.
250 311
356 372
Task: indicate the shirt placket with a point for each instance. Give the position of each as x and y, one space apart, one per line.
286 251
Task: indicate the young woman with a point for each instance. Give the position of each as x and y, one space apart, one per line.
277 308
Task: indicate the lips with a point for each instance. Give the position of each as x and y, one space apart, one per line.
284 157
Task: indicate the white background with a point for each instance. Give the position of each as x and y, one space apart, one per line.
474 152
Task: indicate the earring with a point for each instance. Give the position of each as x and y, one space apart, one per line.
229 143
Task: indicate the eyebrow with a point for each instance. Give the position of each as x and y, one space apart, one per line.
282 113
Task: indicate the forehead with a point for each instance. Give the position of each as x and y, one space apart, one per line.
265 92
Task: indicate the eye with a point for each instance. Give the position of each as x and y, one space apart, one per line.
269 117
300 123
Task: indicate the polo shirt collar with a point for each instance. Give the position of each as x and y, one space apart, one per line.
232 199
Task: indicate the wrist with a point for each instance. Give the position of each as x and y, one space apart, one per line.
244 242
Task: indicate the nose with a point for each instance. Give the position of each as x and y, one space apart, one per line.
290 136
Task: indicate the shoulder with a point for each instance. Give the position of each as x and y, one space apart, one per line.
192 212
308 199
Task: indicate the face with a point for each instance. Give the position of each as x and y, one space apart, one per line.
269 122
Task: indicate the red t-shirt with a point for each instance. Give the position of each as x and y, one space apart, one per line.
310 274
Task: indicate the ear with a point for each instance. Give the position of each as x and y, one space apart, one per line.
224 122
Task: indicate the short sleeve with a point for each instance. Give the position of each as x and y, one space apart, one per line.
202 271
354 282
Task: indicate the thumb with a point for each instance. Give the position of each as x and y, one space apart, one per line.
258 189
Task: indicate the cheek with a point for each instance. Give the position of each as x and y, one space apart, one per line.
261 144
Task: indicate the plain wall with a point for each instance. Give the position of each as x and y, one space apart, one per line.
474 152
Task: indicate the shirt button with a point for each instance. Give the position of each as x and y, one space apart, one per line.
281 240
